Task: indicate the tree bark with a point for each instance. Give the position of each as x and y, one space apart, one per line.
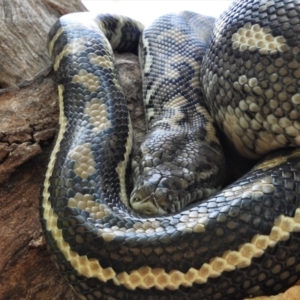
23 35
29 121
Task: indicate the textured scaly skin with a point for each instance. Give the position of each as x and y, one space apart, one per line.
242 241
181 157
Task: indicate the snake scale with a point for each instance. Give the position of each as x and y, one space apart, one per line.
242 241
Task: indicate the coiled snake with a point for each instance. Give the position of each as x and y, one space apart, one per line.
244 240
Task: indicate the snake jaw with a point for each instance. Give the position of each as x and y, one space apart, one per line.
153 196
150 200
147 206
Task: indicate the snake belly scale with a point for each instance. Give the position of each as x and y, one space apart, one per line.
242 241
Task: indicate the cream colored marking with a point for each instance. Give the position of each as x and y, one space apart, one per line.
210 129
121 168
103 61
248 84
271 163
169 69
237 125
74 46
62 128
174 73
172 120
98 115
117 84
89 80
176 102
292 131
54 39
116 37
148 62
254 37
85 202
84 160
296 99
243 105
146 277
253 82
243 80
236 132
254 107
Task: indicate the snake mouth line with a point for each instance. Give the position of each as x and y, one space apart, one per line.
149 205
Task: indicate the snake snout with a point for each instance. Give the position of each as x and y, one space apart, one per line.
158 195
152 197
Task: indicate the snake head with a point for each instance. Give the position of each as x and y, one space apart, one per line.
147 198
173 172
157 195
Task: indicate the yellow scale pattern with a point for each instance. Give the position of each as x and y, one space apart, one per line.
247 38
252 37
146 277
84 160
237 124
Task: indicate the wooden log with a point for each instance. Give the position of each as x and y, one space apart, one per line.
24 27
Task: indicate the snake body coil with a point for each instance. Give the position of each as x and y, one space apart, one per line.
242 241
